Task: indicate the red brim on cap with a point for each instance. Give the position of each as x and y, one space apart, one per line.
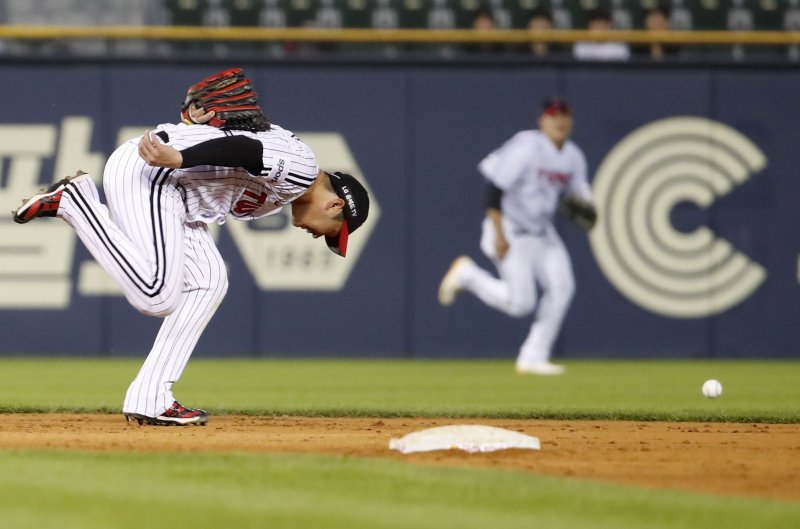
338 244
557 108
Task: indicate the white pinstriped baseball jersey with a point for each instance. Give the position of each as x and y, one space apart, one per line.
213 193
152 238
533 174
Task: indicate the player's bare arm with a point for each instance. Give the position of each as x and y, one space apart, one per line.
501 245
494 197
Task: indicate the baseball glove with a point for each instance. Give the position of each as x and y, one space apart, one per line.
582 213
231 96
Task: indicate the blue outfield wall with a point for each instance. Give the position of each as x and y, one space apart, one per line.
696 255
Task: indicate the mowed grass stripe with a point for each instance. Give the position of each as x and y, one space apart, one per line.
638 390
209 491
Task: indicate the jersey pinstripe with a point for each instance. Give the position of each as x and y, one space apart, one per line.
214 193
152 237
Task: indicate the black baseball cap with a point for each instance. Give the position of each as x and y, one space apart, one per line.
356 209
555 105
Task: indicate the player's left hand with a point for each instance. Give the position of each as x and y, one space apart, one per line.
198 115
158 154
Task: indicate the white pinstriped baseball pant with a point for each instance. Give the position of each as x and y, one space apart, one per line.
531 261
166 267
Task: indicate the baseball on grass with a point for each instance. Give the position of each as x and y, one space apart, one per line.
712 388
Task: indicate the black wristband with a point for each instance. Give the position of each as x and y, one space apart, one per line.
493 197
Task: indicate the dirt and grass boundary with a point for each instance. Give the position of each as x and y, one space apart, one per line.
732 459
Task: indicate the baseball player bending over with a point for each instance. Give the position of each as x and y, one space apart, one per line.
527 178
164 189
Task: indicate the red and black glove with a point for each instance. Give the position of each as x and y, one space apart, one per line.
231 96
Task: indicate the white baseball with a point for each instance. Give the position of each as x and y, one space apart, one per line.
712 388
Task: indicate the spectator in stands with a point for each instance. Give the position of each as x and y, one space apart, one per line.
600 23
484 21
540 20
656 19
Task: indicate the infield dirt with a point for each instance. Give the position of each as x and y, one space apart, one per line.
754 460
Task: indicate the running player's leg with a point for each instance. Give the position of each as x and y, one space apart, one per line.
514 292
142 247
206 282
557 281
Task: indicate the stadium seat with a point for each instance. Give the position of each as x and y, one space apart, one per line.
708 14
732 15
791 18
749 15
563 14
739 16
621 14
681 17
521 11
441 15
328 15
127 13
791 22
274 14
242 13
302 13
68 13
413 13
465 11
635 11
501 13
187 12
767 14
385 14
190 13
356 13
217 14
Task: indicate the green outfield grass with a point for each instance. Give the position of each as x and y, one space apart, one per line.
207 491
648 390
76 490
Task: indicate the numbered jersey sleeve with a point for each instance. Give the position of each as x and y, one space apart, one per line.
503 166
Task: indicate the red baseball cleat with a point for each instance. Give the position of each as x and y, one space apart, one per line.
45 203
176 415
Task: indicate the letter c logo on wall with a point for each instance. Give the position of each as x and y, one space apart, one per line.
648 173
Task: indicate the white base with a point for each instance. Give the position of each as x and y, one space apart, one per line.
468 437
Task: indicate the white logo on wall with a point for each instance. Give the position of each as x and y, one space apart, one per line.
36 269
647 174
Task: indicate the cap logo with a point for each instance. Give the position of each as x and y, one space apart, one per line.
351 203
